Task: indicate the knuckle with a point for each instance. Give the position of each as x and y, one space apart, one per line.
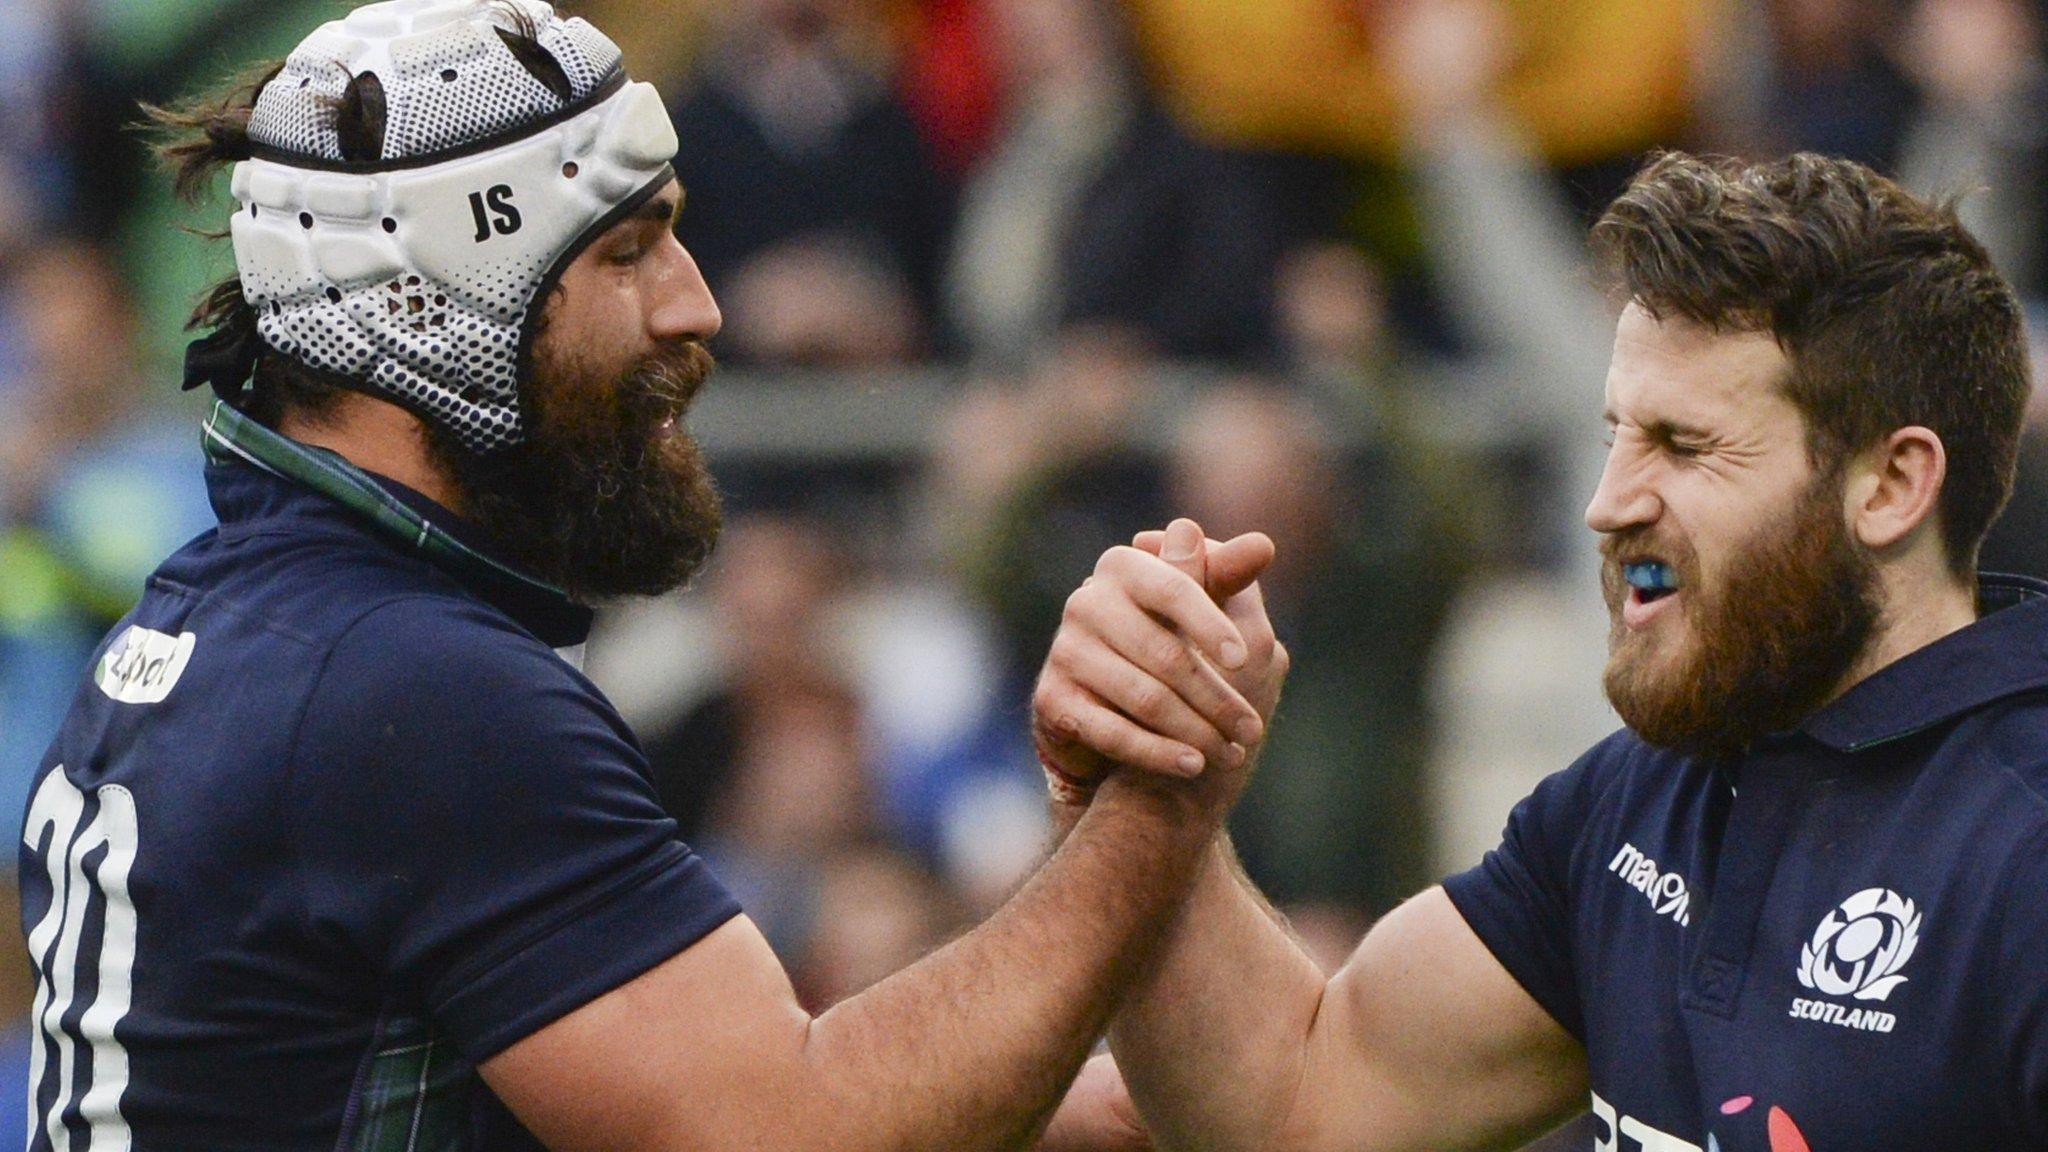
1077 604
1118 741
1117 559
1167 654
1148 699
1173 586
1063 658
1045 699
1057 657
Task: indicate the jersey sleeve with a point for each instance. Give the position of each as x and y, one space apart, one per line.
480 826
1518 899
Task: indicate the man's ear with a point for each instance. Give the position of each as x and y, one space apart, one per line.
1895 487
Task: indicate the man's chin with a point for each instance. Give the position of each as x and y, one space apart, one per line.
1651 681
1647 674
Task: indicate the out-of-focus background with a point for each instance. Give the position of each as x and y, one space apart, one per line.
1006 281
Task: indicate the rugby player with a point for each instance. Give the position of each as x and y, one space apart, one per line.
336 848
1798 903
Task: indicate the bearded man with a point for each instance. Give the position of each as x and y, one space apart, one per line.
1796 904
337 848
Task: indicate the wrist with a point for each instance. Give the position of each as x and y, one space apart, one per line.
1066 791
1185 805
1066 787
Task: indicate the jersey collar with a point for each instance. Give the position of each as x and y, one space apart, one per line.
402 516
2003 653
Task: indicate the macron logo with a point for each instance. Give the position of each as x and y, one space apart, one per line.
143 666
1665 890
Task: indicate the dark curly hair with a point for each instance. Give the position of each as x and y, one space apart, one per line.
1890 312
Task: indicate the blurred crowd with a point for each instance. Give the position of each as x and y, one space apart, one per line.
1306 267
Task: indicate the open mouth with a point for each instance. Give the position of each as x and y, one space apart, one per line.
1650 580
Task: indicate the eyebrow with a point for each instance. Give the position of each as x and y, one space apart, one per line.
1661 429
660 210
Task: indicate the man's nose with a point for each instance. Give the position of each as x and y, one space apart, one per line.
1624 499
683 308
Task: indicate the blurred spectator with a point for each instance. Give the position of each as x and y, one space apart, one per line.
1982 126
948 80
662 39
2018 541
1510 255
71 315
824 301
798 790
95 488
159 51
1836 86
34 178
1363 576
1095 208
1066 99
878 912
1330 312
953 781
1028 486
768 773
1594 80
807 179
1517 679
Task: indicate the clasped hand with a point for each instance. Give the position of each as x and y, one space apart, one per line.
1165 661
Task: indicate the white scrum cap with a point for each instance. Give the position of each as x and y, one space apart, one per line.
418 272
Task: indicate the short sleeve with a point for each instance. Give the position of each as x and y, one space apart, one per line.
1518 899
480 825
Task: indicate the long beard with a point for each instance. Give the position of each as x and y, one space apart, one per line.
1766 648
605 497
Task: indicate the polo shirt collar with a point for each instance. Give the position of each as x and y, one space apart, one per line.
2004 652
390 510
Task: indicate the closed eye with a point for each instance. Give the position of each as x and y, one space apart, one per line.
638 233
1683 443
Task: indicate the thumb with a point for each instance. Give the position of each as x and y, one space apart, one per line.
1229 567
1236 563
1187 549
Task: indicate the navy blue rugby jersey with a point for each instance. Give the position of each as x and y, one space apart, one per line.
331 822
1837 943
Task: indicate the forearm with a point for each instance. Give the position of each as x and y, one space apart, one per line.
972 1047
1214 1038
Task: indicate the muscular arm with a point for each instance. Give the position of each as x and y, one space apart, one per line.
1421 1041
968 1049
1236 1041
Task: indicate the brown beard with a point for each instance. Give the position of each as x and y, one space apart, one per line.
1769 646
598 499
